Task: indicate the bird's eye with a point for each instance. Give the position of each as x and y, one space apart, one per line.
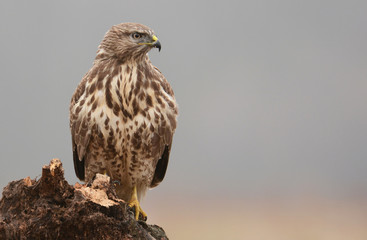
136 35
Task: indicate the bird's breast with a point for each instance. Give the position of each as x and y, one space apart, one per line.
133 113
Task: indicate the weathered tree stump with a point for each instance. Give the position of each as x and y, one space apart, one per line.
50 208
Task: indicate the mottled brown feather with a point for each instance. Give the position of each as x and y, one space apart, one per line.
123 115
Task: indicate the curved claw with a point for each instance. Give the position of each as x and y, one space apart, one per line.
116 182
138 210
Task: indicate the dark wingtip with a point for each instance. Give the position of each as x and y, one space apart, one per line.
78 166
161 167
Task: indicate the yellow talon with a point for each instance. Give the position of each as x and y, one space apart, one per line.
134 202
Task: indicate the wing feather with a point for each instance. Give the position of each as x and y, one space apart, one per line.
165 135
80 134
78 163
161 168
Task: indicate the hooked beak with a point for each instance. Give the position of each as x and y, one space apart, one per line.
155 43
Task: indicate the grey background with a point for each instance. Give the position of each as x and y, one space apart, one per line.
272 94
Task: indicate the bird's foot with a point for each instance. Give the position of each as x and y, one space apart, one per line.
139 213
134 203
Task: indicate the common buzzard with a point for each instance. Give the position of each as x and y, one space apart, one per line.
123 115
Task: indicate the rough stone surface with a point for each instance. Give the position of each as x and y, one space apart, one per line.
50 208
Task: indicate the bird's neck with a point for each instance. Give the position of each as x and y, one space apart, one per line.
103 56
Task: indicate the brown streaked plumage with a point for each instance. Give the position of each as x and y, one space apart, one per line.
123 114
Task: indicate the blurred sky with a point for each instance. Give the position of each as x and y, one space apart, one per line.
272 94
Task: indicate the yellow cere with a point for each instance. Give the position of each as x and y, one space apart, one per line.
154 38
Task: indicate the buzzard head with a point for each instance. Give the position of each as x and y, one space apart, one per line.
128 41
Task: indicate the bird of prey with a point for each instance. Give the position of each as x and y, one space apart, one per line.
123 115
